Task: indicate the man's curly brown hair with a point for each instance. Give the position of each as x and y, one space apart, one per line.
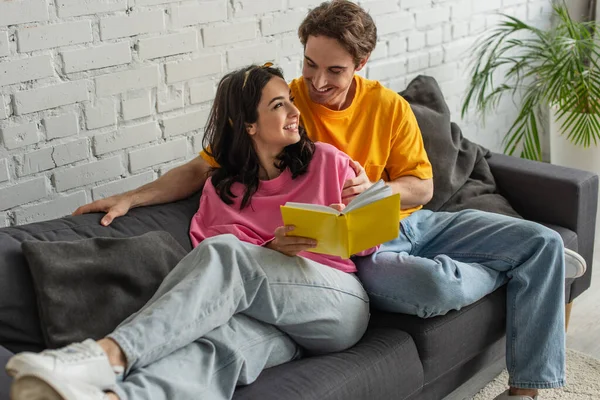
344 21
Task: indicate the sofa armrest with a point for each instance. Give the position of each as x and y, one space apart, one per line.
552 194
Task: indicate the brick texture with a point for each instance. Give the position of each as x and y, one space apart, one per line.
101 96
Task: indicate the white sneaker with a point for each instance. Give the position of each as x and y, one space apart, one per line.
83 362
44 385
575 265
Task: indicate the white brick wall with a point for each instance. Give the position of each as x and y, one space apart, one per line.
54 35
25 69
101 96
96 57
50 97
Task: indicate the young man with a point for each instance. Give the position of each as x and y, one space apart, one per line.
440 261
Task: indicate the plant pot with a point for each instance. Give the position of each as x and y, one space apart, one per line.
565 153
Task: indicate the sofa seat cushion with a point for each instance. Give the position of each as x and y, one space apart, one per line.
5 380
450 340
568 236
383 365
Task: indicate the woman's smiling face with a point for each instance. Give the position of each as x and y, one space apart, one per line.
278 118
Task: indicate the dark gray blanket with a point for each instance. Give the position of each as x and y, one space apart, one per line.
461 175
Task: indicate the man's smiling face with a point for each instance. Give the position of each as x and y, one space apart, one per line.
328 71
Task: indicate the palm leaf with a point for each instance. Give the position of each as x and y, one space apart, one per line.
558 67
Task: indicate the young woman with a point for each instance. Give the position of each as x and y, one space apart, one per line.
243 264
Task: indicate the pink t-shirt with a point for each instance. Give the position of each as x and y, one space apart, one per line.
321 184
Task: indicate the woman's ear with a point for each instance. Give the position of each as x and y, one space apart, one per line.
251 129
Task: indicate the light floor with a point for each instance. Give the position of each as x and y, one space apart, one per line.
584 328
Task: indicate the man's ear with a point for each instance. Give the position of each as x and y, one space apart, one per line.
251 129
363 62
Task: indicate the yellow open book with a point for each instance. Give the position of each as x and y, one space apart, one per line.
369 219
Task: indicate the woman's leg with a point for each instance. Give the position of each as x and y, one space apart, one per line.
223 277
211 367
322 309
208 368
445 261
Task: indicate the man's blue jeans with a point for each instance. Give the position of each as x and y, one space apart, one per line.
445 261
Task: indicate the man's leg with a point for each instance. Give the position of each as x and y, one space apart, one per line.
445 261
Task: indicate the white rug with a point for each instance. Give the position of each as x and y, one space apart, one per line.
583 381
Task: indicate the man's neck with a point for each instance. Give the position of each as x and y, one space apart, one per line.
345 100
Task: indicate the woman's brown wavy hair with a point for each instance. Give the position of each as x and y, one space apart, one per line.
228 142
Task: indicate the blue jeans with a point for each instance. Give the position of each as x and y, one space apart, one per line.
227 311
445 261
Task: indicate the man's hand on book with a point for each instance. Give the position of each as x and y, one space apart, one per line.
289 245
355 186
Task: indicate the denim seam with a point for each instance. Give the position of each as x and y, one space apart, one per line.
537 385
125 346
383 296
513 347
231 359
408 232
473 255
356 295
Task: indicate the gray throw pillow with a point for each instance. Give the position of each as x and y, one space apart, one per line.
85 288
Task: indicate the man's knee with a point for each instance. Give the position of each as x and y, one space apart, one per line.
542 236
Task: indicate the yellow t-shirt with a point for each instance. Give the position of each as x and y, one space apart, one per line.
378 129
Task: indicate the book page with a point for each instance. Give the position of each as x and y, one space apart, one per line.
313 207
376 192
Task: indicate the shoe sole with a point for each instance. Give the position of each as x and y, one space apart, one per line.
17 365
34 388
575 265
14 365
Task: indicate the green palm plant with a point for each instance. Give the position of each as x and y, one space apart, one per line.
558 67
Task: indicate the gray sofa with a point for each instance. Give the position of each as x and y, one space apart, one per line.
400 356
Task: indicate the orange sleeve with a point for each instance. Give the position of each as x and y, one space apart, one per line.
407 152
210 160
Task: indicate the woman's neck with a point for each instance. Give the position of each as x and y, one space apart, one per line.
268 170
